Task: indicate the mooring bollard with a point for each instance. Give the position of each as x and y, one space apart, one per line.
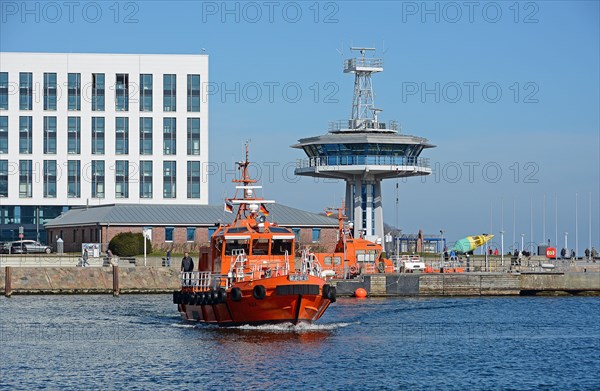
115 281
7 278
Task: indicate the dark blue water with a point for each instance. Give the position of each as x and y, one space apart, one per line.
139 343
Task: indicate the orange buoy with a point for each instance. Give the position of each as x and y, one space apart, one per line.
360 293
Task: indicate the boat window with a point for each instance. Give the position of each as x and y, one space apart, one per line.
237 230
337 260
371 256
231 245
327 261
280 246
279 230
260 247
360 255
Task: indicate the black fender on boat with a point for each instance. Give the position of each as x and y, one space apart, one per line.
176 297
214 298
329 293
236 294
221 295
259 292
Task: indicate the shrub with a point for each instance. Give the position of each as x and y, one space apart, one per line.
128 244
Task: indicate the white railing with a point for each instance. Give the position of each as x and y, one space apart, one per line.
199 280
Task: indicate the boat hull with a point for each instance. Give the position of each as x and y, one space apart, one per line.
281 301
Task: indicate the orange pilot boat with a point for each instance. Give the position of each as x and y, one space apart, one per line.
352 256
249 275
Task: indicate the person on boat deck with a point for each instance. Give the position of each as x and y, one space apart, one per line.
187 263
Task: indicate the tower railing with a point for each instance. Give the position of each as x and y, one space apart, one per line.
350 125
357 160
350 65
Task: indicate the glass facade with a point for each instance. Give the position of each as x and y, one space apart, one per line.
169 136
25 135
98 91
3 134
98 178
97 135
169 92
74 179
145 92
193 179
25 179
74 135
50 135
193 93
3 90
122 135
169 179
122 92
193 136
49 178
145 136
345 152
25 91
74 91
122 179
145 179
3 178
49 91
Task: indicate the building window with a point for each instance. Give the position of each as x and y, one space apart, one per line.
3 134
169 136
193 136
74 90
145 92
145 136
73 179
193 179
98 178
122 92
193 93
97 91
296 232
169 234
49 178
3 90
3 179
316 234
122 135
50 135
25 134
25 180
122 179
97 135
49 91
190 234
211 232
145 179
169 180
169 92
25 91
74 135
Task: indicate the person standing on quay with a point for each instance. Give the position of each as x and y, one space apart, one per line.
84 258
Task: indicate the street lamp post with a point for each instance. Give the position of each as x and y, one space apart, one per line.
443 246
566 243
502 248
522 241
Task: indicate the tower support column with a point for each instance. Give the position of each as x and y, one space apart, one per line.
358 211
378 209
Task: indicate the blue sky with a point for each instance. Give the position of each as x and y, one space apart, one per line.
542 132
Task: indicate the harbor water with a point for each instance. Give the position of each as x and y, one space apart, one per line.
138 342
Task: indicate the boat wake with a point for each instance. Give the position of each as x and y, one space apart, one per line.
292 328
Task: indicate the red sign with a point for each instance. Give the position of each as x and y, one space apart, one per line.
21 236
551 253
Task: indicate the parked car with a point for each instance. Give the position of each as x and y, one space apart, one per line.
29 247
4 248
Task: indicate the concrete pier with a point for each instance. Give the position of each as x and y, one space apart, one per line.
117 280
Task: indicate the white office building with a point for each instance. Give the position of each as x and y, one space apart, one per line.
95 129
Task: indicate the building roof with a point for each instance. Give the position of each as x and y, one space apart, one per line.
362 138
179 215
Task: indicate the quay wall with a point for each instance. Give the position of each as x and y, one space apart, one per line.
64 280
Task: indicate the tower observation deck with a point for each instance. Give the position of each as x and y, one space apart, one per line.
363 151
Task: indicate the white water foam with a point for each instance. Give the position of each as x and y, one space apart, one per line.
299 328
